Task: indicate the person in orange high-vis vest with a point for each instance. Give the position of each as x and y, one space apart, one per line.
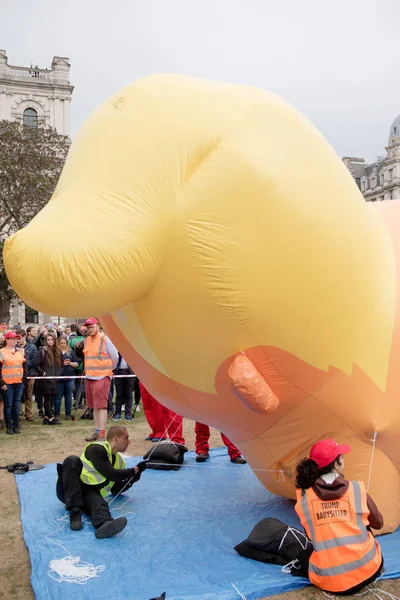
100 358
337 516
12 369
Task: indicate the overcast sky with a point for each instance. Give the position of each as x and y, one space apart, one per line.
337 61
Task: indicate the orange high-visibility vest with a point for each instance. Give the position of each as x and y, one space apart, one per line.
12 362
97 362
345 552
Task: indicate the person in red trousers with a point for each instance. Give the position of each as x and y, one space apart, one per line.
202 448
163 422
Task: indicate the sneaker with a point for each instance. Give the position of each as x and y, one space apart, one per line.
54 421
29 418
10 431
46 421
16 430
68 417
41 413
75 519
117 417
111 528
239 460
158 439
149 438
202 457
128 418
96 437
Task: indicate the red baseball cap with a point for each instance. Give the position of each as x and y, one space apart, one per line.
92 321
325 451
11 335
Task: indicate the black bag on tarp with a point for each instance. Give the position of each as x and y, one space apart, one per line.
166 456
272 541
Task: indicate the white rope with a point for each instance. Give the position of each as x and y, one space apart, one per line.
129 480
372 459
377 591
303 543
290 565
217 468
240 593
78 377
71 569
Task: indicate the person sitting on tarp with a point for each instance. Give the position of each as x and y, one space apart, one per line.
337 516
83 482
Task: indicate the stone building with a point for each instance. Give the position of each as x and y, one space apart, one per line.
379 180
32 95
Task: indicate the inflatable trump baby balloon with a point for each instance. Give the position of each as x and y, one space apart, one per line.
235 264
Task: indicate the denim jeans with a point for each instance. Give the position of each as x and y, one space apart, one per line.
39 401
65 387
12 399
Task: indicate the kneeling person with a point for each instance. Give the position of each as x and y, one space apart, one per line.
84 481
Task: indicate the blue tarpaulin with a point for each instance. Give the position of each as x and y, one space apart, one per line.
179 539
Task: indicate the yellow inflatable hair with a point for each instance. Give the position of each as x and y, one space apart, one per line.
235 264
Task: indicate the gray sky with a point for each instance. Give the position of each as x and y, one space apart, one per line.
336 61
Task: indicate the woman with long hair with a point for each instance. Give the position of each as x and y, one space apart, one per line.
65 386
49 364
337 516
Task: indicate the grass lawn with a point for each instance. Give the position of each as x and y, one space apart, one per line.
52 444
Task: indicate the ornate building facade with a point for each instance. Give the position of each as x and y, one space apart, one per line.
379 180
32 95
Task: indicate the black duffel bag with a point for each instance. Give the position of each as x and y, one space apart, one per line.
166 456
272 541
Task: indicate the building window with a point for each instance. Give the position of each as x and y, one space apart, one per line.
30 117
382 179
390 174
394 129
31 316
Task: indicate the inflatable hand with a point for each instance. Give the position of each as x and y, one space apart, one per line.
212 220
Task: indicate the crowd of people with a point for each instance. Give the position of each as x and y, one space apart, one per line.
47 364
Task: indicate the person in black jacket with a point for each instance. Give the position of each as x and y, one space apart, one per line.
84 481
49 364
124 387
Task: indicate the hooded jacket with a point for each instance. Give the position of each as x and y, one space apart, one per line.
337 489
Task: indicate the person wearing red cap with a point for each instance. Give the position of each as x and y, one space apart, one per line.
12 367
337 516
101 357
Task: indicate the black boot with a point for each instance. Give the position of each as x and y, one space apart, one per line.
110 528
75 519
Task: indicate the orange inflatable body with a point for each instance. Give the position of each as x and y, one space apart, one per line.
234 263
